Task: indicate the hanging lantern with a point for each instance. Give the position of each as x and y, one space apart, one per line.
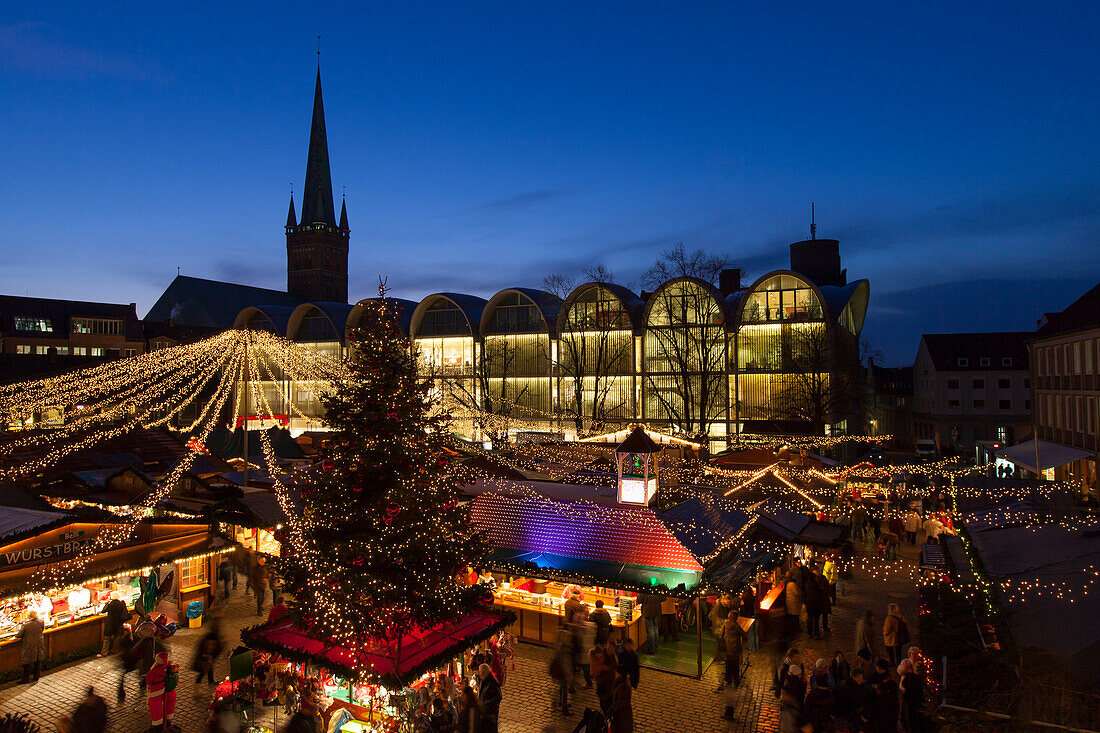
637 468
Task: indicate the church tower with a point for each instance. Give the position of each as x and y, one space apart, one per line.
317 246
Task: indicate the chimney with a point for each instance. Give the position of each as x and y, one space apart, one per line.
729 281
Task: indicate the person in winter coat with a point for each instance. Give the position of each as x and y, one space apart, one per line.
826 598
91 716
891 633
651 612
489 694
865 636
670 624
206 655
829 571
602 619
117 615
469 711
257 581
793 597
912 696
628 659
813 599
911 524
603 662
733 638
622 711
32 646
561 667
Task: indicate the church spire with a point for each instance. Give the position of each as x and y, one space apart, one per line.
343 215
317 205
291 221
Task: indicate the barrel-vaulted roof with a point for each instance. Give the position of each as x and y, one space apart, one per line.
470 306
548 305
336 314
708 288
278 316
631 302
404 311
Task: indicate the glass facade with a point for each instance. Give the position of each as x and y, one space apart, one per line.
686 360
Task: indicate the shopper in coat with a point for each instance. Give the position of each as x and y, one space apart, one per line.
912 696
651 612
602 619
206 655
826 598
489 694
32 646
117 615
890 633
257 581
813 599
91 716
622 712
865 637
793 598
603 662
628 658
469 711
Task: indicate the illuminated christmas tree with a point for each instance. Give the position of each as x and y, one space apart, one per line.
386 535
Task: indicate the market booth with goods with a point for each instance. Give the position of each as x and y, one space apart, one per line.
373 685
50 563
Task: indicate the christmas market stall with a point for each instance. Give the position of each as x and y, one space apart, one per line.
374 684
44 567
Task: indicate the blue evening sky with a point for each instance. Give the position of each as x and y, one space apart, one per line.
950 146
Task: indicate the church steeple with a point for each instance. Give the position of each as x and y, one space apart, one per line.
317 207
291 221
343 215
316 248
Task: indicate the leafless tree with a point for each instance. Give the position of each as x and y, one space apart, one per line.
594 352
686 339
820 380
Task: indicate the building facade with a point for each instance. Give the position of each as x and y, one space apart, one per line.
1065 385
695 358
971 387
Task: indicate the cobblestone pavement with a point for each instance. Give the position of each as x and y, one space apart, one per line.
663 703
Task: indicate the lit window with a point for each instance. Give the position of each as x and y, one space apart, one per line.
80 351
193 572
1002 434
98 326
32 323
95 351
41 349
23 348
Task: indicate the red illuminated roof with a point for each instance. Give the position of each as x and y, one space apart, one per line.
582 530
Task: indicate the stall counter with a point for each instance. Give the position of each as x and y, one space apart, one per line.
540 624
70 637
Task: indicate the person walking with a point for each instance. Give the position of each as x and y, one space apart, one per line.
813 599
622 710
912 526
257 581
826 599
91 715
207 652
912 696
226 575
895 633
488 692
32 646
793 600
829 571
734 637
651 612
865 638
628 659
561 668
603 663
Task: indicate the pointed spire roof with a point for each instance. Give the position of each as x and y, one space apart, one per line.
317 204
343 214
291 221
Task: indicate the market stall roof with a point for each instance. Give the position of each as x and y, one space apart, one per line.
638 441
397 662
705 523
254 509
619 436
800 528
1051 455
17 523
582 530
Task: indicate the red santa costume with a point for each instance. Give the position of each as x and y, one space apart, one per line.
160 690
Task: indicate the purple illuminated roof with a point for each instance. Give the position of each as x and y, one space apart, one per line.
580 530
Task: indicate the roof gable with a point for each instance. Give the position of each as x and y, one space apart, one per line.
193 301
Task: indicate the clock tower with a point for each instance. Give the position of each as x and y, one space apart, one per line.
316 245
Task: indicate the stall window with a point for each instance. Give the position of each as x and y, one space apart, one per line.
193 572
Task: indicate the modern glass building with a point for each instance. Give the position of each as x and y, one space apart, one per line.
717 359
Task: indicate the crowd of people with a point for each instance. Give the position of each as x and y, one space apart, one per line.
861 695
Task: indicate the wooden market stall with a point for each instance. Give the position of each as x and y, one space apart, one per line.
34 544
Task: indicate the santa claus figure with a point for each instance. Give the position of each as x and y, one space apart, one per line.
160 692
